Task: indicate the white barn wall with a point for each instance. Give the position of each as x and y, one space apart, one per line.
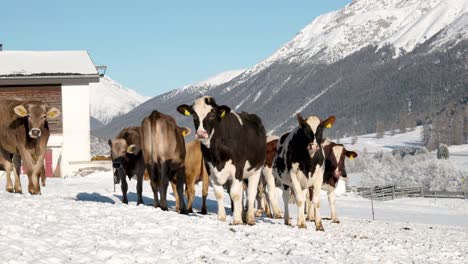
76 126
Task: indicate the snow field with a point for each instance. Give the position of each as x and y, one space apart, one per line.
81 220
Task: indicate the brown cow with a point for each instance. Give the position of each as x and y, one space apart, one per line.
127 160
164 154
335 155
24 131
195 171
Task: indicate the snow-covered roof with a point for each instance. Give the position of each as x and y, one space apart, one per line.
45 63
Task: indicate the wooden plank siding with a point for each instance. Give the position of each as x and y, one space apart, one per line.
51 95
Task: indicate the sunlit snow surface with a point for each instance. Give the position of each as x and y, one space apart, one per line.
81 220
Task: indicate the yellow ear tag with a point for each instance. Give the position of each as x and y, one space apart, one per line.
184 133
328 125
23 113
223 113
351 157
186 112
52 114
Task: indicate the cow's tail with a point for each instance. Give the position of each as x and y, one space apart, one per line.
147 146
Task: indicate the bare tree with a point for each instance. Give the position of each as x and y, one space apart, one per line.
379 129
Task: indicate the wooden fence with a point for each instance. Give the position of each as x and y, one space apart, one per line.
392 192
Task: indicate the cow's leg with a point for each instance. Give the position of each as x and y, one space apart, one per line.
17 170
251 194
316 205
180 174
176 195
300 200
9 184
310 206
331 201
266 205
271 192
139 187
163 191
190 190
124 187
236 198
286 196
260 195
219 193
154 181
43 177
205 185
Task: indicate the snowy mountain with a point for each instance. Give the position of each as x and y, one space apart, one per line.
110 99
371 60
183 94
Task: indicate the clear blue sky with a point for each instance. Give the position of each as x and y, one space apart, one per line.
156 46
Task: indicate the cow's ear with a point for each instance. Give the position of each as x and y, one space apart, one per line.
185 109
223 110
109 142
20 111
133 149
185 131
329 122
351 154
301 120
53 113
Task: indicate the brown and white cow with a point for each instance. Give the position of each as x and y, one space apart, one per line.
233 146
195 171
335 155
267 182
164 154
127 160
300 164
24 131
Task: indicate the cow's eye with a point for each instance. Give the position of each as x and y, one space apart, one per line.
44 116
211 115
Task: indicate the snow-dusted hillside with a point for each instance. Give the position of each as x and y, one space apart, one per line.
110 99
401 23
183 94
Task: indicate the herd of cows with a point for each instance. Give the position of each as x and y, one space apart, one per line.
231 151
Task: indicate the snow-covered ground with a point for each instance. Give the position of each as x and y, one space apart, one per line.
81 220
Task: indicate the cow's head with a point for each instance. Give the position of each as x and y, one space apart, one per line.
37 115
312 129
206 116
120 151
335 158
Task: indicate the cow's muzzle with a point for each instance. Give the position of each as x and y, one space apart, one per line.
202 134
35 133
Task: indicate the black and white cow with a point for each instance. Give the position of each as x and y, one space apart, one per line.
233 146
335 155
300 164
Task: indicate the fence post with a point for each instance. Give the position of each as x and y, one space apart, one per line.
393 192
422 192
464 194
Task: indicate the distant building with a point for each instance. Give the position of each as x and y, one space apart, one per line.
60 79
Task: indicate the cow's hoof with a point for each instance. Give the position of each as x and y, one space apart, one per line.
222 218
311 219
190 211
19 191
251 221
278 215
139 202
336 221
302 225
287 222
203 211
10 190
237 222
164 208
319 227
125 201
258 213
269 215
155 205
184 212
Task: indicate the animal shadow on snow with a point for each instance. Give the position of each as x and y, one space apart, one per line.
93 197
